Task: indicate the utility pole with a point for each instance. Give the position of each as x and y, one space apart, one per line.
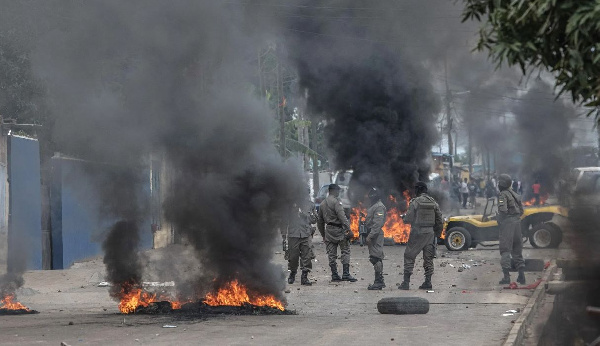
448 115
470 149
280 105
314 145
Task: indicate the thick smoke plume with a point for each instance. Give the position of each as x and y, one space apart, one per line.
544 134
130 79
379 106
123 266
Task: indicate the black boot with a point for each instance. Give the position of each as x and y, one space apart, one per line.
292 277
521 277
427 284
506 279
335 277
378 284
304 279
404 285
346 275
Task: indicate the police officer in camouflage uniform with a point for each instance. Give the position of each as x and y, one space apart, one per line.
374 222
335 229
299 237
425 219
510 210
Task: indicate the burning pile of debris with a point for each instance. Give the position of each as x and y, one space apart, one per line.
232 298
9 283
531 202
8 306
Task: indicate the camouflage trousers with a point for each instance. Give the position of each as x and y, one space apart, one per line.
300 251
416 244
332 251
511 244
377 264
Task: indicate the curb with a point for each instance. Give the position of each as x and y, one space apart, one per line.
517 332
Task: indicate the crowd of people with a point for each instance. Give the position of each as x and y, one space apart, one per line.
463 193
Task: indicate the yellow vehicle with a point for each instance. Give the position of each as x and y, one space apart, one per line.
464 232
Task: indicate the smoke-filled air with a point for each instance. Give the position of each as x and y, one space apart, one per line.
205 126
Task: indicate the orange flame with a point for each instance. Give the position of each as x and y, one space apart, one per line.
394 226
8 303
133 298
543 199
235 294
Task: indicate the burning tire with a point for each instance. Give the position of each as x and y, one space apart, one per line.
457 239
545 235
403 305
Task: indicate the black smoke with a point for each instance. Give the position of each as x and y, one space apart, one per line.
127 80
123 266
378 105
544 133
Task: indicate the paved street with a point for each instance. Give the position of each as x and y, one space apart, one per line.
466 308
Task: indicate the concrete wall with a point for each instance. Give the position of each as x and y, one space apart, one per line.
161 182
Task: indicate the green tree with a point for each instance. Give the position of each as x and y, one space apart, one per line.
21 94
560 36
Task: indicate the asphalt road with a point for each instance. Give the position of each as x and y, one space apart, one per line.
466 308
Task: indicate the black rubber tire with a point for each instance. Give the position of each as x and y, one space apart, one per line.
557 236
465 234
403 305
550 230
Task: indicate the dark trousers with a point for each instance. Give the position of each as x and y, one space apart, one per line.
537 198
511 243
299 252
465 198
419 243
332 251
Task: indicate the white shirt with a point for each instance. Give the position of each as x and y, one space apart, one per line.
464 188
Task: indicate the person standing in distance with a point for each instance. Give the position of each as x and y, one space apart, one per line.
510 210
375 221
299 237
335 229
536 191
425 219
464 191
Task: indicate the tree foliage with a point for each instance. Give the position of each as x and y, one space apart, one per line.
560 36
20 92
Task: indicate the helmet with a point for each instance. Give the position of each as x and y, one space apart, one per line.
504 181
333 187
420 187
373 194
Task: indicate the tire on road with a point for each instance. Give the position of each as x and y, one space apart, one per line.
403 305
457 239
545 235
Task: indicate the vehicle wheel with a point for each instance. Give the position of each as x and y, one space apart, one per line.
457 239
557 235
545 235
403 305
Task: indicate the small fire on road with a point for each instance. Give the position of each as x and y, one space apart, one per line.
231 294
235 294
133 297
543 199
8 305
